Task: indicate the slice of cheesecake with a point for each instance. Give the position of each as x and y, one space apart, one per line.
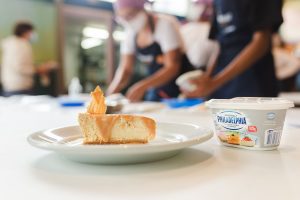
116 129
100 128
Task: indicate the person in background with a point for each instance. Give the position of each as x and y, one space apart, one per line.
199 49
244 65
17 68
155 40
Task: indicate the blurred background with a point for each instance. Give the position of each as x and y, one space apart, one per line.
83 39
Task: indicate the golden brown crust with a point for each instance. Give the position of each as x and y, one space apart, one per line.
119 142
150 123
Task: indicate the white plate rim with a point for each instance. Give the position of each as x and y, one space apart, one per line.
206 134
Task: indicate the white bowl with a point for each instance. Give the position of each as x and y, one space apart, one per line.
183 81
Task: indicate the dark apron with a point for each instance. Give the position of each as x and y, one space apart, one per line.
149 55
234 34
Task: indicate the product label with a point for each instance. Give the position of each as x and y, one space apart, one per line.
233 128
249 128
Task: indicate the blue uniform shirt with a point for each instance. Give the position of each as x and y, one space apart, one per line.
234 23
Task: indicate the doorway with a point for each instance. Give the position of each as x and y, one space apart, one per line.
86 46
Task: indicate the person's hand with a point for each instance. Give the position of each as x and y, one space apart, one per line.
46 67
42 69
51 65
136 92
205 85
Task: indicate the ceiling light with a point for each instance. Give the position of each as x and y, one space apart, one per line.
89 43
95 33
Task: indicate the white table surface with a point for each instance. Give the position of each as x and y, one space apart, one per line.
206 171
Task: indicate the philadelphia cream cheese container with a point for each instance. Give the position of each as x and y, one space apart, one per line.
249 122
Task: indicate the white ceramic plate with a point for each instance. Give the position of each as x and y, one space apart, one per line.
171 138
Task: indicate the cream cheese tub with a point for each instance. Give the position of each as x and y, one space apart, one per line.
249 122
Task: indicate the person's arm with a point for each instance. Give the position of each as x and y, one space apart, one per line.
46 67
167 72
257 48
168 37
172 60
123 74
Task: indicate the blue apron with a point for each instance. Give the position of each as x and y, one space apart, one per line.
149 55
233 34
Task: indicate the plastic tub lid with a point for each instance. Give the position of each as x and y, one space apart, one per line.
254 103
